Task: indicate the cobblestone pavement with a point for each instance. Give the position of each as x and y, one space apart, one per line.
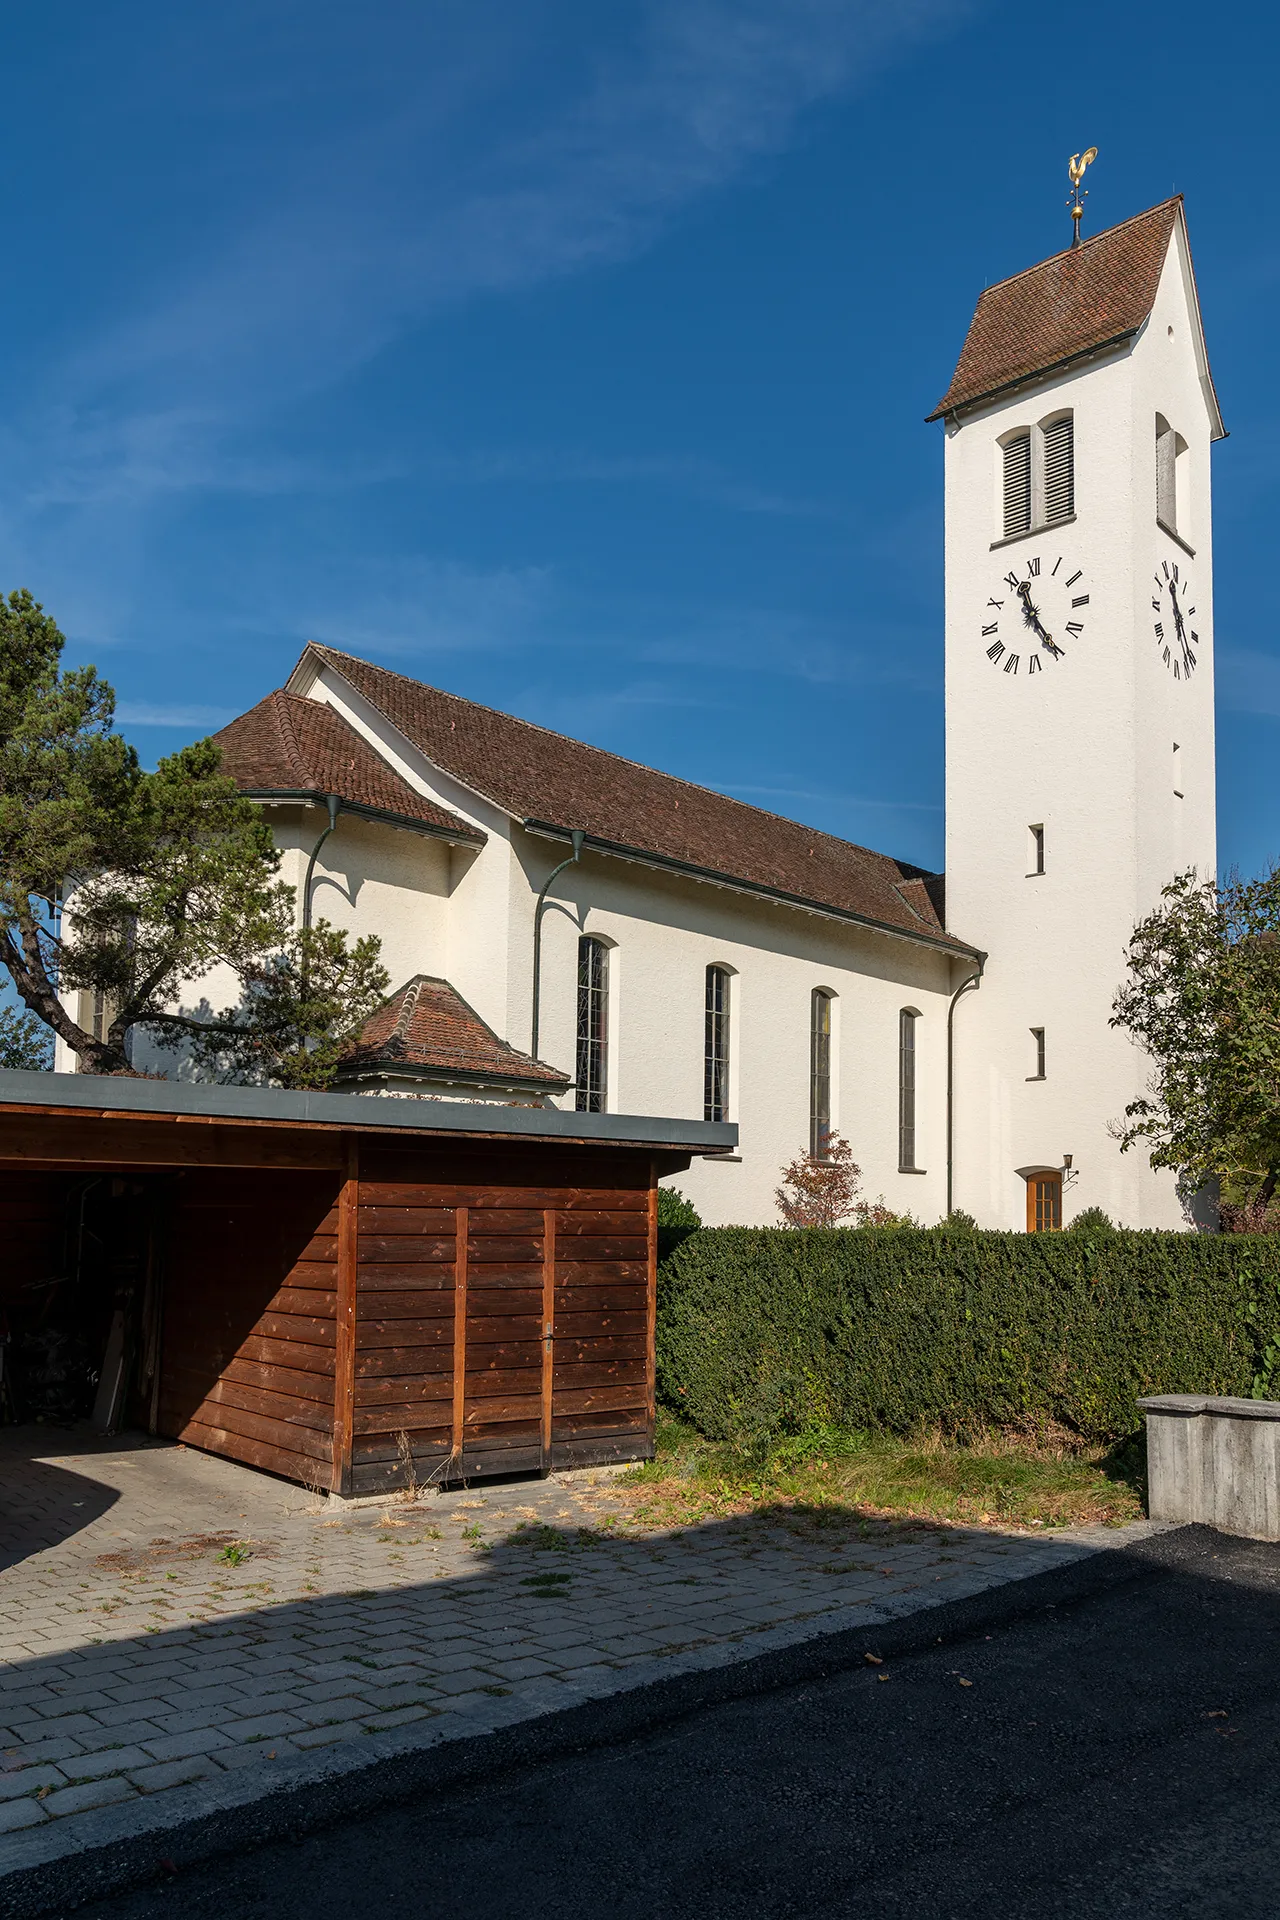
179 1633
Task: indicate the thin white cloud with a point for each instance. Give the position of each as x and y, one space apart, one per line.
1248 681
402 211
133 713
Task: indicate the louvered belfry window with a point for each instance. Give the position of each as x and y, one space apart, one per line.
1059 470
593 1025
1017 485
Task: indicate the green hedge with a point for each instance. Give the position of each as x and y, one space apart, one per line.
768 1330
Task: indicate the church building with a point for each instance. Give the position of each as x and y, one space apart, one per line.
564 926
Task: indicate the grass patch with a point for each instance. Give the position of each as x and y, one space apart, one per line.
827 1478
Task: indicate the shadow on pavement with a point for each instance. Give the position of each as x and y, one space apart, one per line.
41 1504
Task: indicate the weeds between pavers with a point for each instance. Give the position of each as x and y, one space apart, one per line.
826 1477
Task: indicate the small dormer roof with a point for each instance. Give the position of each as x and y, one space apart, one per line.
1081 302
426 1030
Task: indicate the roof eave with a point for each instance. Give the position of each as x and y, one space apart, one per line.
313 796
668 863
450 1076
948 409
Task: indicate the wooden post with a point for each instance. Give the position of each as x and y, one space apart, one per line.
462 1218
344 1359
548 1328
651 1339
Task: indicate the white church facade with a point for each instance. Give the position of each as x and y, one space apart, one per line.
699 958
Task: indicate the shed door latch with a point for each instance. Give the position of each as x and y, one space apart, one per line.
546 1338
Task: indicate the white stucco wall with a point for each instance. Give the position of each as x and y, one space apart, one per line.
1084 747
666 931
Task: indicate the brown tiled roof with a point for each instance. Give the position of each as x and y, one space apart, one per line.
285 745
544 778
427 1027
1085 298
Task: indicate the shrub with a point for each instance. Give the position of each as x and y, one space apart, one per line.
677 1219
1093 1220
902 1329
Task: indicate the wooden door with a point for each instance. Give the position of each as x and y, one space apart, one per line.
1044 1203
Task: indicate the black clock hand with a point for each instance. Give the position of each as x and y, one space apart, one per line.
1032 617
1177 612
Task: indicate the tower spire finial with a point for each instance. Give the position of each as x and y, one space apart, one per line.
1075 173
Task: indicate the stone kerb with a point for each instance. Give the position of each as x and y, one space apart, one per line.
1215 1460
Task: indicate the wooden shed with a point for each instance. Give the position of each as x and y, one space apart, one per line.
341 1289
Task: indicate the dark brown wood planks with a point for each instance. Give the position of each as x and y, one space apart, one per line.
250 1326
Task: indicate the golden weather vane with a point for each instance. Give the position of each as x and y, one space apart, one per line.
1075 173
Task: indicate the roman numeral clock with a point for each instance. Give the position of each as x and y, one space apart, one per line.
1173 604
1035 615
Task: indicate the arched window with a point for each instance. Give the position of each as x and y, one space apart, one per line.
593 1025
1171 477
820 1072
1017 484
907 1090
715 1076
1058 489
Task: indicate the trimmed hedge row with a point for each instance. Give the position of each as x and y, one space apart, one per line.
763 1331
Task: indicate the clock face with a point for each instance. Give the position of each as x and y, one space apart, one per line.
1173 612
1035 615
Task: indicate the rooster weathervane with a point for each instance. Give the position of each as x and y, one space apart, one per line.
1075 173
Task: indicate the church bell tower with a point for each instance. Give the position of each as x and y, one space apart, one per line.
1079 702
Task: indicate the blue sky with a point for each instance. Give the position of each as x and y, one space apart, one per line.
576 358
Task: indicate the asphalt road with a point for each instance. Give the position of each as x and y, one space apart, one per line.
1117 1752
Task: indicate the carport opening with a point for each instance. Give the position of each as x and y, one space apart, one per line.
80 1297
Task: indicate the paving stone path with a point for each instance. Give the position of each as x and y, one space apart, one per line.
177 1632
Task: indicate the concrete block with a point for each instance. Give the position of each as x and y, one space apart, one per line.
1216 1461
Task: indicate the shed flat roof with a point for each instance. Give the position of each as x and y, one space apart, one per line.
155 1099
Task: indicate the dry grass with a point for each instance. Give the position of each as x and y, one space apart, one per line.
999 1481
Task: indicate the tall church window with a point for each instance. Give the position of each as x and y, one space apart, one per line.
1017 484
907 1090
593 1025
1059 484
820 1072
715 1076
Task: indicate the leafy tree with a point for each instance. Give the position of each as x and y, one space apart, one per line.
25 1042
820 1193
168 877
1203 999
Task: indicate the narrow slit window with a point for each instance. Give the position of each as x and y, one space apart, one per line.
1037 1042
819 1073
593 1025
715 1079
1166 474
907 1090
1059 470
1017 485
1037 849
1172 477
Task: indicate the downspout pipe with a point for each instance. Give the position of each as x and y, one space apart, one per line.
973 980
577 837
334 805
